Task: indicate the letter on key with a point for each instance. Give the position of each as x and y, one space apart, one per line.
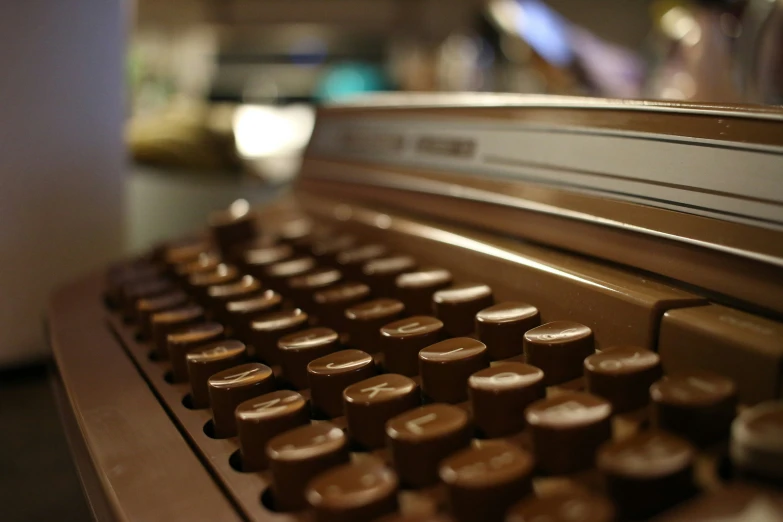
331 374
229 388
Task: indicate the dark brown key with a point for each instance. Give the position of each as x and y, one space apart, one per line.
239 314
623 376
445 367
566 506
233 226
567 430
331 374
500 394
182 341
457 306
327 249
205 262
205 361
419 439
149 306
756 436
559 348
364 322
698 406
432 517
276 275
296 230
401 342
256 260
647 472
351 261
264 240
355 492
736 502
382 273
229 388
218 295
267 330
264 417
484 482
502 327
303 287
298 349
370 403
134 291
118 276
332 302
299 455
221 275
185 250
415 289
169 321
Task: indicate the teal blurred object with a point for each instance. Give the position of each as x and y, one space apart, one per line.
348 79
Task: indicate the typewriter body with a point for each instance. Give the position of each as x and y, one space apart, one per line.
467 308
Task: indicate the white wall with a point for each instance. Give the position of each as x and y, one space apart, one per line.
61 154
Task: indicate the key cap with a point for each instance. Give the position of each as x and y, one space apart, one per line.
355 492
432 517
267 330
149 306
364 322
228 388
134 291
256 260
261 418
326 249
419 439
351 261
185 250
299 348
238 251
169 321
502 327
221 275
623 376
445 367
757 440
745 348
416 289
647 472
457 306
276 275
402 340
500 394
204 262
370 403
382 273
239 314
207 360
698 406
302 288
567 506
483 482
330 375
332 302
299 455
566 430
732 503
179 343
218 295
559 348
233 226
119 276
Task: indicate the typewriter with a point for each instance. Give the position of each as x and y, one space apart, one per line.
468 308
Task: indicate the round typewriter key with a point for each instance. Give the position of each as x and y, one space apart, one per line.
500 394
169 321
297 456
567 429
182 341
237 254
229 388
298 349
149 306
233 226
415 289
135 291
256 260
757 440
364 322
296 230
204 262
240 313
221 275
402 340
445 367
219 295
372 402
327 249
332 302
563 507
484 481
121 275
735 502
457 306
267 330
419 439
623 376
647 472
303 287
277 274
353 493
184 251
207 360
697 405
559 348
502 327
331 374
352 260
266 416
381 273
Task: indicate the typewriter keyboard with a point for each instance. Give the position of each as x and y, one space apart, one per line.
328 374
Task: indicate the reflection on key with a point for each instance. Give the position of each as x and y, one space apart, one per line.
502 327
239 314
415 289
